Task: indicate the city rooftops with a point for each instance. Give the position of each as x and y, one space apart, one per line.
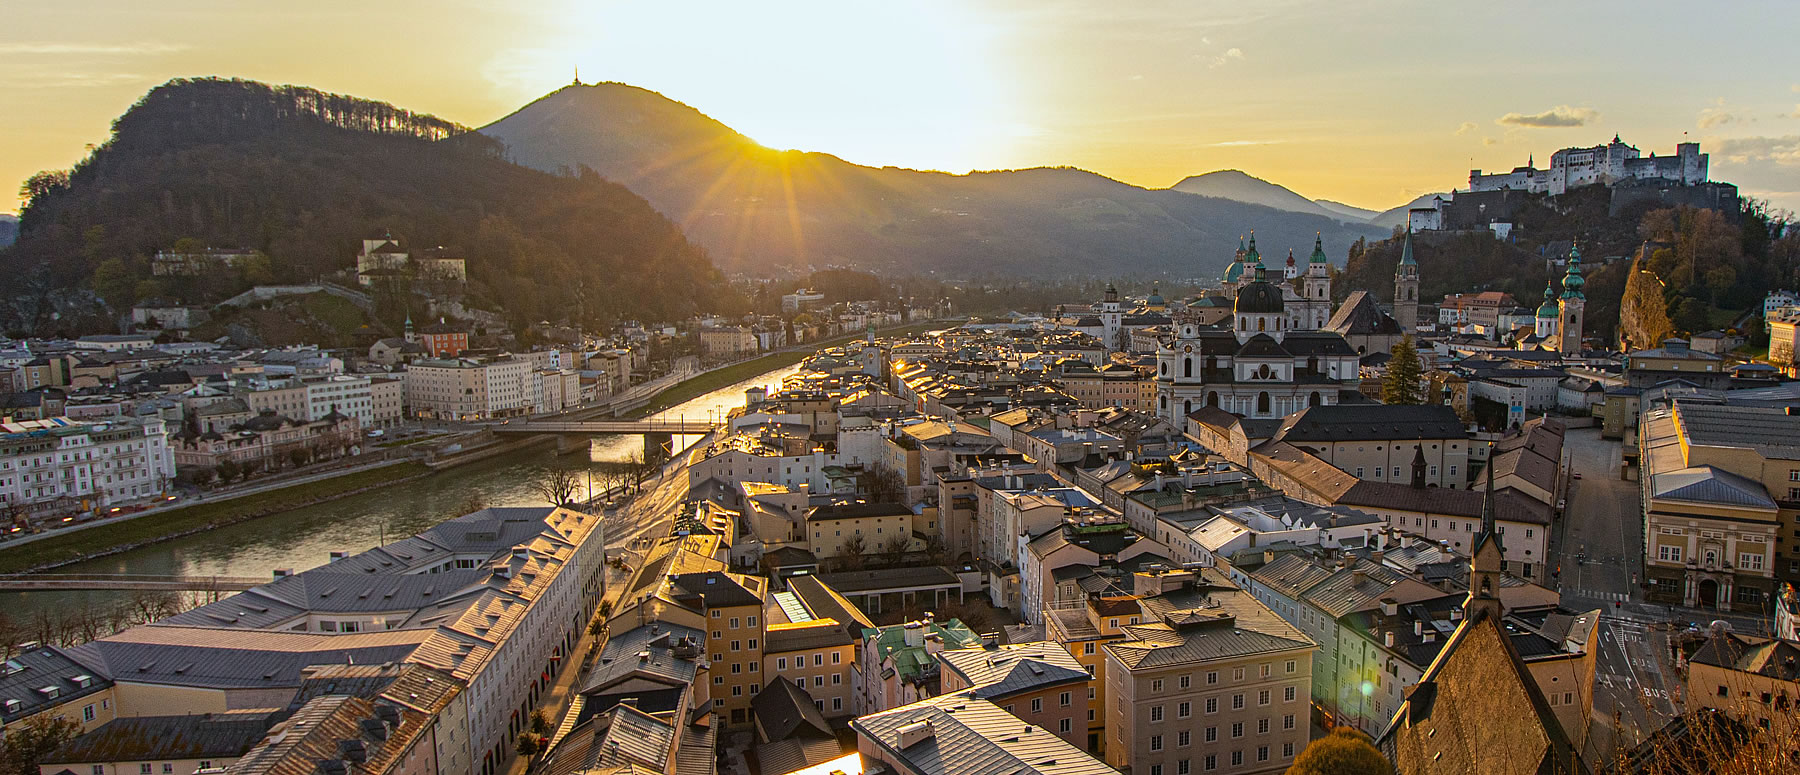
956 734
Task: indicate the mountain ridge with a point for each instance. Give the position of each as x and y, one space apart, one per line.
770 212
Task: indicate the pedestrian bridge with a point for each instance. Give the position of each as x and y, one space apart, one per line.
684 427
21 582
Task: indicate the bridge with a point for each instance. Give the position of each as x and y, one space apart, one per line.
683 427
23 582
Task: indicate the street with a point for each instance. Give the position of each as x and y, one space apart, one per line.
650 515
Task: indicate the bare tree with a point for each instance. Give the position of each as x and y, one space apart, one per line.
894 548
558 486
853 550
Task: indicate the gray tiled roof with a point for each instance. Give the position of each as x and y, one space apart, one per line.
784 710
152 738
1707 484
1372 422
623 657
974 737
24 676
1008 670
1197 626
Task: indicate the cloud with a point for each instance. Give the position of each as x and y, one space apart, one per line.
1238 143
1467 127
73 80
1489 141
1719 115
48 48
1230 54
1782 151
1559 116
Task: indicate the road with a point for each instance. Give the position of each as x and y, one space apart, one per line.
1634 677
650 515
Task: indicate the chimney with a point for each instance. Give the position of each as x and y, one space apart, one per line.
282 573
915 633
913 734
1418 627
1456 614
1389 607
338 554
1388 638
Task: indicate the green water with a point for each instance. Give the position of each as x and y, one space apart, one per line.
305 537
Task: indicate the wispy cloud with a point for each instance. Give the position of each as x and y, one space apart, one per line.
1489 141
1559 116
1467 127
73 80
1231 54
1718 114
1784 151
51 48
1237 143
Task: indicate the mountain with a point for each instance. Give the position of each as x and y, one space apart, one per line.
9 229
303 176
763 211
1239 186
1389 220
1347 211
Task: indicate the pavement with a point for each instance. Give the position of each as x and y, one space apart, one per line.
1636 686
651 514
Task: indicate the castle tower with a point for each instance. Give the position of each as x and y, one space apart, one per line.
1406 287
1547 313
1573 302
1487 560
1316 288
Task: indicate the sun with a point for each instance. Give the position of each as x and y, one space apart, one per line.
911 84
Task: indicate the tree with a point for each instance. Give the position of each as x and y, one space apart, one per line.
539 723
895 547
558 486
27 743
115 282
1643 312
228 470
1343 752
527 745
43 183
1403 374
853 550
882 484
1691 316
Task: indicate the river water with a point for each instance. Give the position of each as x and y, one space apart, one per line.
305 537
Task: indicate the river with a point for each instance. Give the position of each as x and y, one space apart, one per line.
305 537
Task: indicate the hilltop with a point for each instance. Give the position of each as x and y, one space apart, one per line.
303 176
1242 187
764 211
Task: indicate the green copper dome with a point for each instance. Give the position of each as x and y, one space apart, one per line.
1318 254
1251 256
1234 272
1572 280
1548 309
1156 299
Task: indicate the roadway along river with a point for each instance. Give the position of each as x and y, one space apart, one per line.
305 537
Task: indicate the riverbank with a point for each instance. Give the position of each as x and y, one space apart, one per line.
708 381
65 548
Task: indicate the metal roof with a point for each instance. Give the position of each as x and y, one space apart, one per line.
968 736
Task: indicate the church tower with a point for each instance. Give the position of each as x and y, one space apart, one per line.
1406 288
1487 560
1547 314
1316 288
1573 301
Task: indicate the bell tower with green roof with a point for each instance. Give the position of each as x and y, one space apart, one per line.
1571 306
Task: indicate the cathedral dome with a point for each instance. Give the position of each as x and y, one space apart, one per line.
1260 297
1234 272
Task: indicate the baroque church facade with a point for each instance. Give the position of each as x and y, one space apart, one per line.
1274 355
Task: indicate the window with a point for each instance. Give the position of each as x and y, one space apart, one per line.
737 691
1087 649
1668 553
1181 767
1262 753
781 663
1750 561
168 768
1211 762
818 659
87 713
1237 729
755 667
1287 750
1184 710
837 703
1156 713
751 622
99 769
1212 705
715 614
819 680
836 657
1156 685
1212 678
1237 702
1262 726
1156 742
1292 665
1063 699
1183 682
1037 705
734 622
718 680
144 769
1262 697
1237 758
837 678
1064 726
1184 737
1287 722
1212 734
737 645
752 644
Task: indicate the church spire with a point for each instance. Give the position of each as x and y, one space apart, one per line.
1318 254
1487 559
1406 249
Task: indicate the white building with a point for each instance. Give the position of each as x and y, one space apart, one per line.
465 389
62 464
344 394
1599 165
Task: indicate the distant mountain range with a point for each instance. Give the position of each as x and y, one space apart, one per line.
1242 187
763 211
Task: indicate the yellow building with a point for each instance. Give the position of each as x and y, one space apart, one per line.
1085 631
1752 679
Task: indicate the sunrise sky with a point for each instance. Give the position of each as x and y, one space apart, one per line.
1366 102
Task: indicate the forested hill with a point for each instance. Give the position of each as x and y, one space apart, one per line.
1712 267
304 176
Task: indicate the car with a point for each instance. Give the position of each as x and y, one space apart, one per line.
377 433
1576 475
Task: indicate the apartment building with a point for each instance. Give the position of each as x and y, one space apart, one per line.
897 665
729 342
1753 679
344 394
492 602
1210 681
732 604
387 401
1040 682
1385 443
1083 632
43 682
1721 487
285 397
811 634
960 735
467 390
61 465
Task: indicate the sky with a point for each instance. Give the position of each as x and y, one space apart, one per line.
1366 102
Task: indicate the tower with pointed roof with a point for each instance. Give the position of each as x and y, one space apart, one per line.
1487 560
1234 272
1313 290
1112 318
1545 324
1571 306
1406 287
